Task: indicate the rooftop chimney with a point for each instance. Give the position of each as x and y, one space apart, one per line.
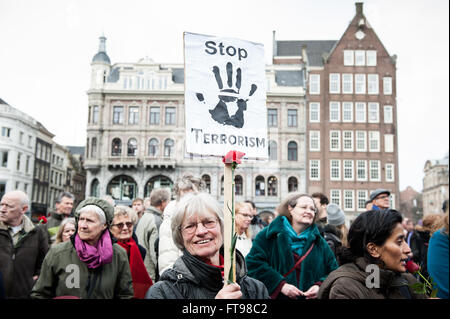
359 8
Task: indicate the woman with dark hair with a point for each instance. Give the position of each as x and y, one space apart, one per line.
289 255
374 263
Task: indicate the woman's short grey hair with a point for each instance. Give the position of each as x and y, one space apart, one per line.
95 209
201 204
126 211
188 183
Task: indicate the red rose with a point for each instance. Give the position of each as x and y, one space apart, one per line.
42 220
412 267
233 157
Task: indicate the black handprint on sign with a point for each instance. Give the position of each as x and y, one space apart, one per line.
220 112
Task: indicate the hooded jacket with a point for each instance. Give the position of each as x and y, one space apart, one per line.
349 282
20 262
271 257
179 282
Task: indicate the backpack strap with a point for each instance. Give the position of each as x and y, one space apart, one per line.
299 261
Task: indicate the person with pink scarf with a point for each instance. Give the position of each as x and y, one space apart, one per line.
90 265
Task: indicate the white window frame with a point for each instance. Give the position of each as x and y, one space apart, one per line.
335 196
349 57
348 170
360 136
373 110
361 197
314 140
314 83
335 166
361 168
373 169
337 138
360 57
389 143
374 137
388 114
392 201
371 56
387 85
351 199
347 112
347 136
360 106
347 83
360 83
389 172
335 109
314 165
314 109
372 84
335 83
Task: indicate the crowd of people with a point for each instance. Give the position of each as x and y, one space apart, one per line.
159 248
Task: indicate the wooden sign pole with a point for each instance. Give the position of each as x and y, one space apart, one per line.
228 234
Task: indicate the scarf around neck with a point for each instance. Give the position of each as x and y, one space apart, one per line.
210 276
297 241
95 256
139 274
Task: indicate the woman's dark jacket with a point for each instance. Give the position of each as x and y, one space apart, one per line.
187 282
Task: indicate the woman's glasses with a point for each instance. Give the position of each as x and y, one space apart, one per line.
250 216
120 225
191 228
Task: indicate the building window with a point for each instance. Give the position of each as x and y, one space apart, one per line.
348 170
390 177
387 85
361 199
21 138
259 186
272 117
292 118
168 147
349 58
335 111
222 181
314 170
95 114
361 141
371 57
314 141
374 171
314 112
360 112
360 57
388 114
335 140
335 81
207 179
170 116
19 155
272 186
94 147
349 199
372 83
6 132
30 141
132 147
347 83
273 151
133 115
347 140
347 112
374 113
292 151
122 188
314 84
153 146
335 196
360 83
27 164
335 170
95 188
392 201
292 184
154 115
374 141
389 143
238 185
118 115
361 170
116 147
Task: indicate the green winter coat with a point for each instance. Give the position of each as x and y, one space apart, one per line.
64 274
271 257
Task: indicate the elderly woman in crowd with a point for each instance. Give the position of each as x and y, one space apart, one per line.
244 216
376 248
65 230
197 230
290 256
89 265
122 230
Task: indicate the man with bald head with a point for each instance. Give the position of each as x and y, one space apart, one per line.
22 246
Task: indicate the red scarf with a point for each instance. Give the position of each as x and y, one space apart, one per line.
221 266
139 274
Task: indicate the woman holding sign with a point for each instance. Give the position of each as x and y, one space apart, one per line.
290 256
197 229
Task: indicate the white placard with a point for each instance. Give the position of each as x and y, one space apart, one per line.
225 96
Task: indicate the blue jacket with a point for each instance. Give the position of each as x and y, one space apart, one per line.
438 262
271 257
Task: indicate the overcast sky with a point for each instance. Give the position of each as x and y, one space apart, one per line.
46 47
